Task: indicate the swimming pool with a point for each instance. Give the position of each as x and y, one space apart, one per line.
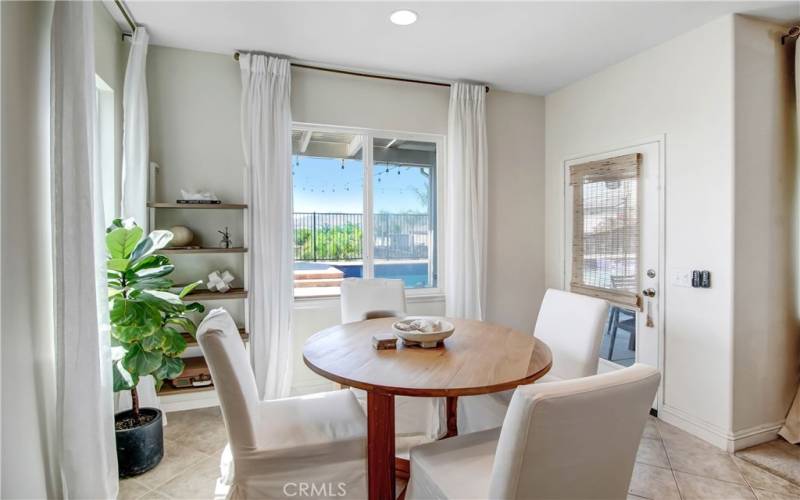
414 274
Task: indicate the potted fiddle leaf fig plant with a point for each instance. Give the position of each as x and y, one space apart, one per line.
147 320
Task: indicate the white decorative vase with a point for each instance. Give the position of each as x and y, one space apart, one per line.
181 236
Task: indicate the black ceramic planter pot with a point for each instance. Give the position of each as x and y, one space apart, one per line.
141 448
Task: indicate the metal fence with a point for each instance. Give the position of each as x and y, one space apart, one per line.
338 236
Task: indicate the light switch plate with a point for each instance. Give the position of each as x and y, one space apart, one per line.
681 277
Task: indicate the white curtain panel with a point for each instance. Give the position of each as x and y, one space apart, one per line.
135 168
267 143
465 199
791 429
135 132
85 413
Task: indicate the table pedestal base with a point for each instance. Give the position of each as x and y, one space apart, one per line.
380 446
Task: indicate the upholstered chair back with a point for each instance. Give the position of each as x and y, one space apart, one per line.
233 378
572 326
362 298
573 438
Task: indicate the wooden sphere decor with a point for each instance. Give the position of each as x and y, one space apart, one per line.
181 236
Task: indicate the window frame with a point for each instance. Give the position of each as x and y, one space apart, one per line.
105 147
368 134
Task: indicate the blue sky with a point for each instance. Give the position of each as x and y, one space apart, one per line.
321 185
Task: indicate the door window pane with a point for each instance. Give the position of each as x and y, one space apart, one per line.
328 178
404 211
619 337
605 228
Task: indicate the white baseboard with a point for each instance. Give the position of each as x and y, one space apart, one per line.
721 438
703 430
755 435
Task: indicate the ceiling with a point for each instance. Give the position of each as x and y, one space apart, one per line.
531 47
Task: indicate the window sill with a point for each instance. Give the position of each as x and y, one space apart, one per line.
418 296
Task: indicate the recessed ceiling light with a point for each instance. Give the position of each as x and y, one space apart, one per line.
403 17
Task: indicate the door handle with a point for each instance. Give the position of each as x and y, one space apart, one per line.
649 292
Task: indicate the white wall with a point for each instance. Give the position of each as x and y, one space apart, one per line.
194 124
682 88
766 333
516 277
28 370
718 95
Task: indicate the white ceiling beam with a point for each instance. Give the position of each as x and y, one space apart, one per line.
354 147
305 139
391 143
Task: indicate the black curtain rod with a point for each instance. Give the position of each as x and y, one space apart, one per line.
365 75
125 15
793 32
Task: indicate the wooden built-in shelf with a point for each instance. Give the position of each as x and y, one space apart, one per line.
191 341
233 293
202 250
168 390
227 206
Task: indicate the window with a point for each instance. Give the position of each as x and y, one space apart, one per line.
104 146
364 206
605 228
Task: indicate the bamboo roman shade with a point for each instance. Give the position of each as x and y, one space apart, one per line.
605 228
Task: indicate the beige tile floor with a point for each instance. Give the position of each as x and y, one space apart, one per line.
670 464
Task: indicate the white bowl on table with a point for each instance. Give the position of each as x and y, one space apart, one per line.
441 329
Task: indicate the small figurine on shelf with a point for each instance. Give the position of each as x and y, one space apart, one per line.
225 242
220 281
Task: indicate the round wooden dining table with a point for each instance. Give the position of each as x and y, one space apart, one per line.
479 358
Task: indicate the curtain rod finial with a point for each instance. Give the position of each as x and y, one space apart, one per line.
235 56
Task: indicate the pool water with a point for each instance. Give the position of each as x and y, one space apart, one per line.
413 274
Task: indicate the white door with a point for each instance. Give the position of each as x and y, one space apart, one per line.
632 334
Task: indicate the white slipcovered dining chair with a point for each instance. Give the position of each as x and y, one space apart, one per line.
278 447
417 420
377 297
572 327
560 440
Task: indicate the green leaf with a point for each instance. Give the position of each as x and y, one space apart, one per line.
171 367
188 288
121 241
119 265
133 333
186 324
122 311
132 312
116 223
139 362
152 284
149 261
152 342
164 301
156 240
128 223
153 272
172 342
195 306
123 379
